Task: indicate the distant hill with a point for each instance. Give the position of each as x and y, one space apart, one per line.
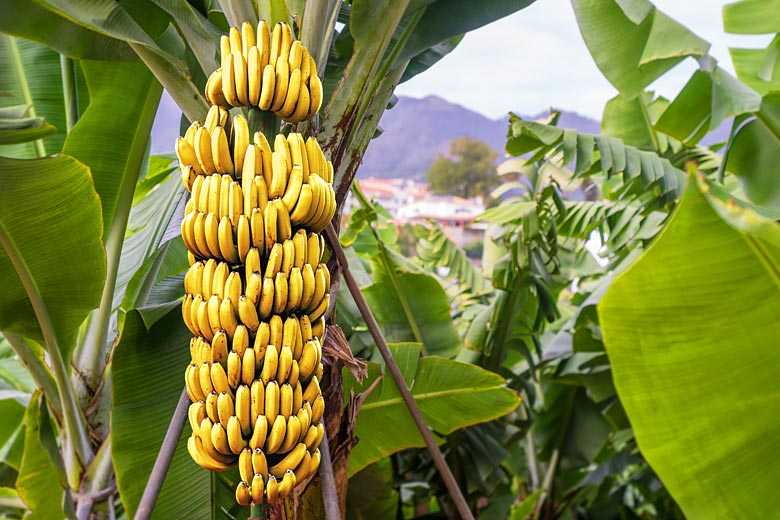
417 130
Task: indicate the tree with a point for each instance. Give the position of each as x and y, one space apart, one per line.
469 170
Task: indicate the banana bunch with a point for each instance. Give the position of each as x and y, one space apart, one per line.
257 290
268 70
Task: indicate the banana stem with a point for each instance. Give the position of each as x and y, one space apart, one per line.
75 447
21 78
164 458
330 497
38 370
395 372
98 480
69 91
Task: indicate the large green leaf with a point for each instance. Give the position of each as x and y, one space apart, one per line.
50 228
37 483
12 407
632 51
445 19
148 369
111 137
26 19
751 17
691 332
755 152
451 395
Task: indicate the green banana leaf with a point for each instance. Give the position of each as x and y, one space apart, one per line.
691 333
111 136
751 17
12 407
52 264
451 395
27 19
148 369
633 43
42 72
37 483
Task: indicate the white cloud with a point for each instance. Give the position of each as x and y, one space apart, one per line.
536 58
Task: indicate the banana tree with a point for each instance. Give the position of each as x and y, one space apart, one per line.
89 223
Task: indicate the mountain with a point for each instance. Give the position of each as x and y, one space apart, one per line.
417 130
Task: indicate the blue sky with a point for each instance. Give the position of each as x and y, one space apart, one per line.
536 59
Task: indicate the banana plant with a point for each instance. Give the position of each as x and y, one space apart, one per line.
90 235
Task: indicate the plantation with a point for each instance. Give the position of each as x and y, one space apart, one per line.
210 334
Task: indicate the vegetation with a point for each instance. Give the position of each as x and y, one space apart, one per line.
644 374
469 171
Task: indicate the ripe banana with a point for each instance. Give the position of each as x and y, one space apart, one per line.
276 435
290 461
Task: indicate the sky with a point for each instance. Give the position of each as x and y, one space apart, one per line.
536 59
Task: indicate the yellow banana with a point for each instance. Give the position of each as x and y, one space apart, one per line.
296 55
312 390
300 247
235 40
210 233
186 312
305 65
219 347
232 287
257 489
290 330
320 310
284 366
291 460
293 189
286 43
261 341
254 75
219 439
280 174
317 409
243 237
271 489
252 263
212 410
310 438
247 41
287 484
227 317
242 85
204 324
243 408
248 171
193 383
271 400
245 465
277 331
227 246
197 185
247 312
203 150
214 94
203 195
259 461
301 109
201 458
220 151
315 94
282 82
229 81
261 189
314 154
212 313
224 48
275 259
306 331
303 468
196 413
259 433
295 292
225 407
193 279
235 202
268 88
269 218
309 286
320 288
266 156
257 226
313 252
294 89
233 369
266 303
257 397
188 177
315 463
270 364
240 141
199 234
308 362
187 155
318 328
300 214
276 435
219 279
218 378
286 400
242 494
294 378
241 340
283 222
298 399
254 284
280 293
264 40
276 42
248 366
235 435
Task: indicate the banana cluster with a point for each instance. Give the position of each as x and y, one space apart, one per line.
268 70
257 290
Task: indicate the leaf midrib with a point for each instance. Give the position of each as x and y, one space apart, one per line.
430 395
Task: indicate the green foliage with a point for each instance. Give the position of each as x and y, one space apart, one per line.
469 171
